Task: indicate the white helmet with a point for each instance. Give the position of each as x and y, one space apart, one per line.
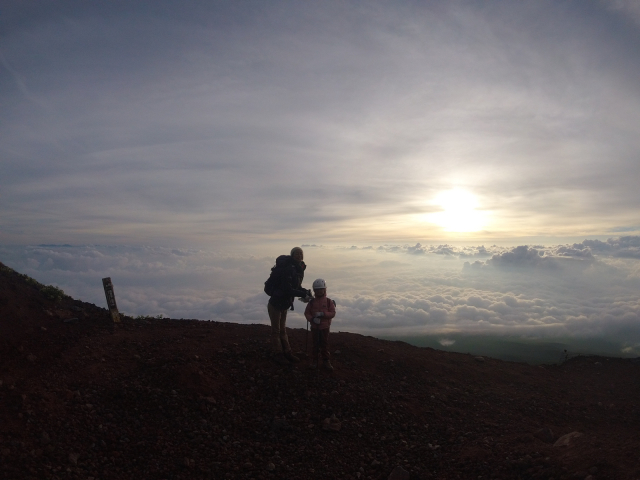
319 283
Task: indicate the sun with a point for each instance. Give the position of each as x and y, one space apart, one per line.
459 212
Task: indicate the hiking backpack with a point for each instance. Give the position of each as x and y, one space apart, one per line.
272 286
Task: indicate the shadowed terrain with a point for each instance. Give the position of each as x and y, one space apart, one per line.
189 399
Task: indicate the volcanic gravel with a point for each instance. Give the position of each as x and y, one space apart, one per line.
82 398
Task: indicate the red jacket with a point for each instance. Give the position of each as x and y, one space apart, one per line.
321 304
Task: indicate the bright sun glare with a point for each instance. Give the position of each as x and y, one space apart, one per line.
459 212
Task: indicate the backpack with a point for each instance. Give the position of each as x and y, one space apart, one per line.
272 286
329 302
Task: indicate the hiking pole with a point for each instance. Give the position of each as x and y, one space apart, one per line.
317 354
306 341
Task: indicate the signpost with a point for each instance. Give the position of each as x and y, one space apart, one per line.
111 299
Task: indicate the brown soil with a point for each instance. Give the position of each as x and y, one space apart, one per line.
188 399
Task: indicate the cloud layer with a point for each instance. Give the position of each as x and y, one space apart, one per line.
586 290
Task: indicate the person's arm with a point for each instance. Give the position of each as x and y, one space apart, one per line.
308 314
331 310
288 288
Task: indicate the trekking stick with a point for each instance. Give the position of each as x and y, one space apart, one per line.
317 354
306 340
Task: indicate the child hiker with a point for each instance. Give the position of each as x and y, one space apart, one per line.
319 313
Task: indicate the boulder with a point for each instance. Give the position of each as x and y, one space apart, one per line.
332 424
566 440
545 434
399 473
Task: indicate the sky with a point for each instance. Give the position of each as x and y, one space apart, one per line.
447 165
226 124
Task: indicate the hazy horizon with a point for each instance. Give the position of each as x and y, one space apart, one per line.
582 291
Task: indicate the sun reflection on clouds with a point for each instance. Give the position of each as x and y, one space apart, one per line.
459 212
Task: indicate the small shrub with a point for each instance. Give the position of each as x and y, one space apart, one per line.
48 291
52 293
149 317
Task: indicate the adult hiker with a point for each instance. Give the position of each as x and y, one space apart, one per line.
284 284
319 313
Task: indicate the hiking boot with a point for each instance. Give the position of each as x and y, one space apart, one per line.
280 359
291 357
327 365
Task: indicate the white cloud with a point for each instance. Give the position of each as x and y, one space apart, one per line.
624 247
522 256
378 291
628 8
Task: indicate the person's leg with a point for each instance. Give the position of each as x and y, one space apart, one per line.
316 348
284 339
324 348
274 317
324 343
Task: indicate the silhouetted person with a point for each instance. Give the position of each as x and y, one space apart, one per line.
286 278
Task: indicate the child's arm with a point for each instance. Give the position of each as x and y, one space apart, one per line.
331 310
307 311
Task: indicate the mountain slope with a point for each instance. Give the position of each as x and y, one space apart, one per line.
164 399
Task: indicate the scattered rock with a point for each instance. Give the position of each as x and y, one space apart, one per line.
73 458
332 424
479 359
271 467
70 320
566 440
44 438
31 357
399 473
545 434
280 424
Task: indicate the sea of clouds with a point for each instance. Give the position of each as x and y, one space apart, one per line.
588 289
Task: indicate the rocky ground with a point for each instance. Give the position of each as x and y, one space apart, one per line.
187 399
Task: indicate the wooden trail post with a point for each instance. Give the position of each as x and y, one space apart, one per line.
111 299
